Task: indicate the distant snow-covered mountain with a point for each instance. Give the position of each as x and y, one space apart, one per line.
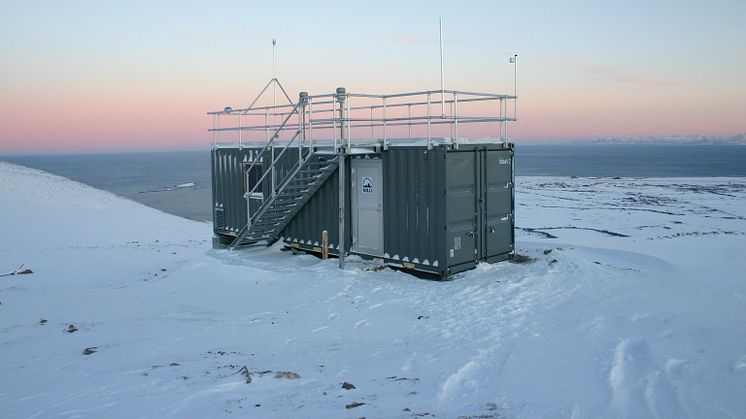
739 139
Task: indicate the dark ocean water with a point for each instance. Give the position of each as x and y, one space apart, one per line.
164 180
148 178
631 160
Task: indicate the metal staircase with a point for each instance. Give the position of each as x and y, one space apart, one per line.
278 209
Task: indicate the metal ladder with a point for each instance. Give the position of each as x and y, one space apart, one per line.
278 209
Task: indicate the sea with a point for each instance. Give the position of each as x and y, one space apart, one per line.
178 182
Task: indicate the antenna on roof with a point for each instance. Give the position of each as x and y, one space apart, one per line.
274 63
514 60
274 84
442 78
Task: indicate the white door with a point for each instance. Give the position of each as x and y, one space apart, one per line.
367 206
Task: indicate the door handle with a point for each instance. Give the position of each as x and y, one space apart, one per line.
471 233
491 229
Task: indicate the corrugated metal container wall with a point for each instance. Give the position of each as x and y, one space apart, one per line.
444 210
229 167
479 205
414 213
498 231
320 213
229 206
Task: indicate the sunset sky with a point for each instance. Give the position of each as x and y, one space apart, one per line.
80 76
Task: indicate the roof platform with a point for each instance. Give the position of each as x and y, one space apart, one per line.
344 120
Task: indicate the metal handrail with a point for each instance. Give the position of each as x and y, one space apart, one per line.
261 179
370 111
332 96
394 121
271 140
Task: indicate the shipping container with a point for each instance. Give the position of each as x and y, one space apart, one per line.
440 211
421 203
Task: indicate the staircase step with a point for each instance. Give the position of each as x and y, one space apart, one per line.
279 214
278 210
264 224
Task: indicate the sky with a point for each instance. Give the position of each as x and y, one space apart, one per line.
91 76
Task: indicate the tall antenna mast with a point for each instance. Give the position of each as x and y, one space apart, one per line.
274 83
442 78
514 60
274 63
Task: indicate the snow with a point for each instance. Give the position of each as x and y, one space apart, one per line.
633 307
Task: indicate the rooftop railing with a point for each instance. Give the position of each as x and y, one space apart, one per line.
344 120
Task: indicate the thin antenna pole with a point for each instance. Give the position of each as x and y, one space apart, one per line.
274 83
515 86
274 62
442 78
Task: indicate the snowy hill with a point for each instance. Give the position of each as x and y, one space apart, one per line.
634 306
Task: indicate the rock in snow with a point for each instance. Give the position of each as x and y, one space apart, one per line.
640 313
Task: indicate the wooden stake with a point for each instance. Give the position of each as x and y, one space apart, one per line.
324 245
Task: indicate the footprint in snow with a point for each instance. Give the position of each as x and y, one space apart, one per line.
639 386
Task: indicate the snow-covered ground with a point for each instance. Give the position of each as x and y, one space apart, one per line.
634 307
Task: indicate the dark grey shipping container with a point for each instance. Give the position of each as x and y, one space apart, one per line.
439 210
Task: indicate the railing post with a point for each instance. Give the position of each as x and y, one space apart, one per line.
505 115
341 96
429 136
502 122
349 128
455 118
451 123
240 142
334 124
310 124
385 132
266 122
303 100
409 120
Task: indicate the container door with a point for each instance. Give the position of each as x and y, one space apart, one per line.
367 206
461 207
498 220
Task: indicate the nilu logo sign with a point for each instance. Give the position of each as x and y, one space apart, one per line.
367 184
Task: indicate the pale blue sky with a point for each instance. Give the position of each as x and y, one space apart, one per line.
149 70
